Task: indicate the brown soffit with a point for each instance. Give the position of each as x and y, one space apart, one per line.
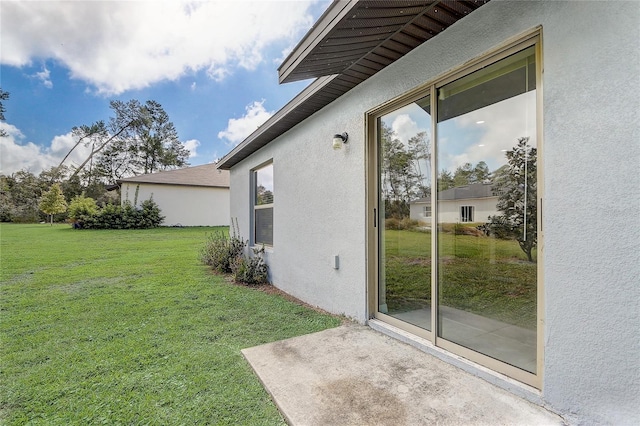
353 32
352 40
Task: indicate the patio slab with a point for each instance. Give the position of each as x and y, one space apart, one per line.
354 375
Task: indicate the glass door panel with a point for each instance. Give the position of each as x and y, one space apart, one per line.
404 182
486 211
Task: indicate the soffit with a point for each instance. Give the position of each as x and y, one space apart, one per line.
351 41
365 36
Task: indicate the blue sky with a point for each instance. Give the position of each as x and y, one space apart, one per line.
212 65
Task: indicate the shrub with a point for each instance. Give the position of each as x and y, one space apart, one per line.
392 223
126 217
225 254
81 207
221 251
460 229
401 224
251 270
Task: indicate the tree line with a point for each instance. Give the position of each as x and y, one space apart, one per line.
138 138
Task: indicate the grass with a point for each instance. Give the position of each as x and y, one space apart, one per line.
127 327
479 274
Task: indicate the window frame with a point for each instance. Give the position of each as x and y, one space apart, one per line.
256 207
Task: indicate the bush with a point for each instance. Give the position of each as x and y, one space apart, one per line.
81 207
401 224
460 229
126 217
225 254
221 251
252 270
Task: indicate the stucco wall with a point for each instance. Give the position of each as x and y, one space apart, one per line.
449 210
416 212
184 205
590 157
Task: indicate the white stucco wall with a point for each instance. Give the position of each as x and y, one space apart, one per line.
184 205
449 210
590 158
416 212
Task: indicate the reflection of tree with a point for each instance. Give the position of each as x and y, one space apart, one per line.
419 148
466 174
516 187
402 178
263 195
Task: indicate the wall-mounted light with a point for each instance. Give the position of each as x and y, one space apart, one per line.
338 140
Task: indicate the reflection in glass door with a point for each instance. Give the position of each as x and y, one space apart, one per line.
404 172
486 130
474 139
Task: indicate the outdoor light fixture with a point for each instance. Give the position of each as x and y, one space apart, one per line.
338 140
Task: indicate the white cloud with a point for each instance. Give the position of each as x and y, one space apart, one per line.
192 145
405 128
239 128
501 125
118 46
16 154
44 77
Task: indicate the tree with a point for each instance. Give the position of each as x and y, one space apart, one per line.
148 142
53 202
516 188
402 179
3 97
445 180
138 139
419 148
463 175
481 173
22 190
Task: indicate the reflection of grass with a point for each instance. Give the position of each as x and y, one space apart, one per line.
479 274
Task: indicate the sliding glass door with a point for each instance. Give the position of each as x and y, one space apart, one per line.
487 222
457 198
404 172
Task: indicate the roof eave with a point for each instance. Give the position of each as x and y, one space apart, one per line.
329 19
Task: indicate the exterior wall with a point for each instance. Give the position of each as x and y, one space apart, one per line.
591 153
449 210
416 212
184 205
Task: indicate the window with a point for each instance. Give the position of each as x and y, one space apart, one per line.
466 214
426 210
263 205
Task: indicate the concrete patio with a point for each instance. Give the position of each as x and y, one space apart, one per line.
354 375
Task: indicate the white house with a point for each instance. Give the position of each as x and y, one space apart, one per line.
469 203
192 196
474 80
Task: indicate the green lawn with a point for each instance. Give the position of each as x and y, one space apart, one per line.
127 327
479 274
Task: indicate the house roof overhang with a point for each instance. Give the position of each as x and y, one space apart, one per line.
352 40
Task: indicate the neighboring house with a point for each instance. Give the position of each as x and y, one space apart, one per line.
420 210
192 196
469 203
470 77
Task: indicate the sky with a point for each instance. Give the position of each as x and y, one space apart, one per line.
484 134
212 65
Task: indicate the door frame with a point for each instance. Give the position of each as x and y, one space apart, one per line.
513 45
